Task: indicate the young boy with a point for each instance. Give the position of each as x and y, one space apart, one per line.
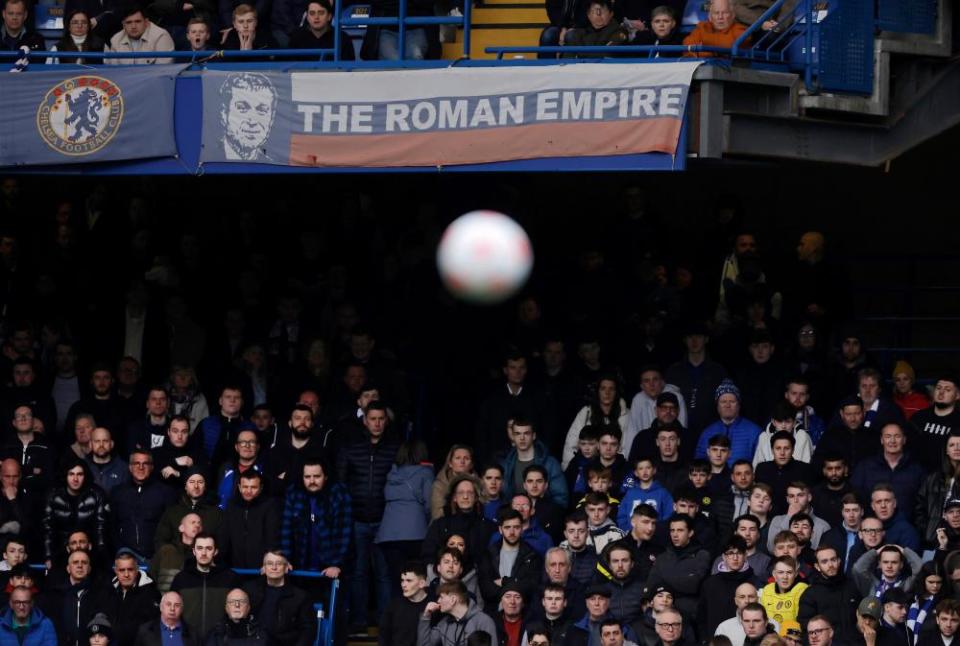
586 452
14 553
641 488
599 480
786 543
601 528
198 34
699 474
401 619
718 450
781 598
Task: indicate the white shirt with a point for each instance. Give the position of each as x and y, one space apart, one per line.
133 335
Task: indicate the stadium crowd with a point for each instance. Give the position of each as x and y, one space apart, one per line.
671 454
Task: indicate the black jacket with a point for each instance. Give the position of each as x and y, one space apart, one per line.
136 513
93 44
400 621
626 596
780 477
716 599
66 513
149 635
248 530
472 526
836 598
294 622
363 467
303 38
204 594
71 608
36 462
129 610
237 633
526 572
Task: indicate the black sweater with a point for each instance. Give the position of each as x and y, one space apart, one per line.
398 625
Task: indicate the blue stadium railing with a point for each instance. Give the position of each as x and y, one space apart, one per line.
325 615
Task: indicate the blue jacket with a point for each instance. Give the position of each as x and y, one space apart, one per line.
555 478
40 633
136 513
315 531
492 507
407 511
656 496
743 436
579 633
228 482
905 479
901 532
533 536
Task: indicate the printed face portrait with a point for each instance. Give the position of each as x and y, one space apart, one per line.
247 112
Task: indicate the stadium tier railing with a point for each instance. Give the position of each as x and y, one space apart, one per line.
325 615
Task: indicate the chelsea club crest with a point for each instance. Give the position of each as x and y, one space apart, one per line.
80 115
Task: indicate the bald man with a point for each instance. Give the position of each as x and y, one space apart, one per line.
168 626
721 30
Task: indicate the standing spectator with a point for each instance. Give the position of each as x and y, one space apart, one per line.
909 400
928 590
798 394
577 543
626 587
783 469
513 397
877 412
150 430
607 408
682 566
781 597
849 438
204 584
65 385
463 517
78 504
251 523
301 439
459 461
842 537
71 603
107 470
509 559
169 628
643 408
23 624
133 598
363 467
885 567
528 450
546 513
697 377
283 610
783 418
176 456
185 396
218 433
83 427
831 595
406 514
899 530
32 451
893 622
894 466
939 487
101 402
317 522
742 432
193 499
938 422
138 505
834 486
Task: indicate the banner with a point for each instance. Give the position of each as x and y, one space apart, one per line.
78 116
440 117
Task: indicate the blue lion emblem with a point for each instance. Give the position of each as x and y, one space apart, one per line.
84 114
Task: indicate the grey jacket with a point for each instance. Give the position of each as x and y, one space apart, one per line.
865 575
450 632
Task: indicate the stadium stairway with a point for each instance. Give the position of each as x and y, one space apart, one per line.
500 22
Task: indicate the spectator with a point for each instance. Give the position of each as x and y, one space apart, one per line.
31 451
290 450
492 480
76 505
247 458
877 412
510 621
783 469
732 628
198 34
663 31
251 523
170 558
799 501
177 456
894 466
718 592
14 33
185 395
830 594
71 603
646 492
399 624
608 407
25 389
601 527
626 588
947 613
193 499
893 622
936 491
83 426
23 624
601 29
742 432
756 624
697 377
453 563
150 430
842 537
834 486
820 632
282 609
849 439
584 630
464 517
217 433
245 34
509 559
928 590
461 618
683 566
558 566
316 527
666 416
513 398
579 546
783 418
133 598
899 531
938 422
884 568
909 400
204 585
781 597
318 32
169 627
546 512
528 450
721 30
798 394
107 470
99 631
459 461
138 505
363 466
531 532
239 626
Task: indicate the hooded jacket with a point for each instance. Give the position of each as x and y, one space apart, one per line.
407 494
204 594
453 632
836 598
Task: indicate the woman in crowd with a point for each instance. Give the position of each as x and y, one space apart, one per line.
927 591
938 488
606 407
77 37
459 462
463 515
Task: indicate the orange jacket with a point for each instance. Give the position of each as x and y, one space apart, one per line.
706 34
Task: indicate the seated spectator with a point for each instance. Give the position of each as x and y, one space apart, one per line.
139 35
194 498
107 469
617 569
198 35
743 433
781 597
893 465
783 469
15 33
137 506
454 564
799 500
283 610
905 396
247 457
31 450
645 491
643 407
721 30
579 546
14 553
509 559
563 16
167 563
682 566
23 624
718 592
132 598
663 31
204 585
601 30
947 618
149 429
169 626
71 603
830 594
318 32
245 35
238 626
531 532
510 619
889 566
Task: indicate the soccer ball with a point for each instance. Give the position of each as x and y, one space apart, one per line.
484 257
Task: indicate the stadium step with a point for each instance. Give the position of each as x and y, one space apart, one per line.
500 23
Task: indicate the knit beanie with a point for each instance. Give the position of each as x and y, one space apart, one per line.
902 367
727 387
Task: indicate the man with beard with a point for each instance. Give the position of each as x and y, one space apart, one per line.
102 402
287 456
510 559
832 595
194 499
626 589
935 424
828 495
251 524
107 469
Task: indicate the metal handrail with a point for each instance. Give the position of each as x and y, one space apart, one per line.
604 49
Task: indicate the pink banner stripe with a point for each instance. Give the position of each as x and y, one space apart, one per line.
585 139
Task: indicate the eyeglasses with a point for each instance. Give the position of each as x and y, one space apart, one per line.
674 626
246 443
21 603
816 632
879 530
237 603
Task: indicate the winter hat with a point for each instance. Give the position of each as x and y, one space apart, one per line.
904 367
100 625
727 387
790 628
